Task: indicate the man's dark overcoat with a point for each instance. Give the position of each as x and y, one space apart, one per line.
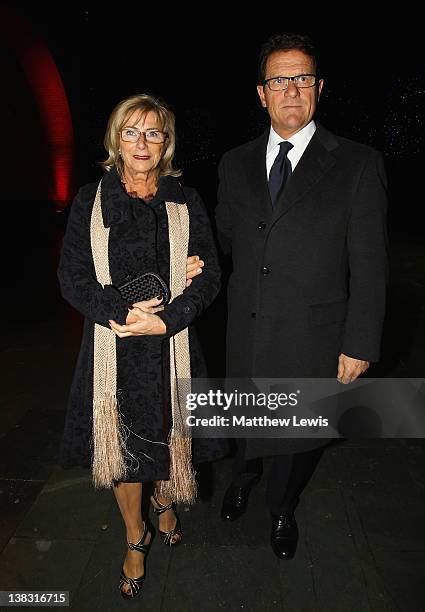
309 275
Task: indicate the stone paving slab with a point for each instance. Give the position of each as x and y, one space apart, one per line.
43 564
225 578
68 507
402 575
16 499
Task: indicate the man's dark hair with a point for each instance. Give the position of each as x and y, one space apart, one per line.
286 42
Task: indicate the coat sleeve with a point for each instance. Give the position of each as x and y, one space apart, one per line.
367 245
223 211
182 311
76 272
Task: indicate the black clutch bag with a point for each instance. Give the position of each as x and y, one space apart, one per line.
145 287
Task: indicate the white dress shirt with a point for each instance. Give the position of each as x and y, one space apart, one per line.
300 141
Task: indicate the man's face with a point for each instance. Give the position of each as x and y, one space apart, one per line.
290 110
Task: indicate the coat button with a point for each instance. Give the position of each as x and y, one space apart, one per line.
265 271
187 309
164 225
261 225
253 315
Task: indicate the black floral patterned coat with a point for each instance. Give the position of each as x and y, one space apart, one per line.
138 242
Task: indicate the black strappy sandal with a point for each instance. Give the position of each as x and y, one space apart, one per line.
135 583
167 536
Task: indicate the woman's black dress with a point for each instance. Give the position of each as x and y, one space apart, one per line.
138 242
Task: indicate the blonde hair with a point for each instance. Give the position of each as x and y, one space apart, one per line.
144 103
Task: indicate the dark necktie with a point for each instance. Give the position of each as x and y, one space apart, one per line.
280 171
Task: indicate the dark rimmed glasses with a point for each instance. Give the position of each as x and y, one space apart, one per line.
280 83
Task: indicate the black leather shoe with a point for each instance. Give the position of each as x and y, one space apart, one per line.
235 502
284 535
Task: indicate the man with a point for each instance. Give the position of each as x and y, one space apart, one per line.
303 212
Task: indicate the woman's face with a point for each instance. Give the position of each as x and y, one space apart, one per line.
141 157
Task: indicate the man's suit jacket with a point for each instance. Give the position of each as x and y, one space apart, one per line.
309 275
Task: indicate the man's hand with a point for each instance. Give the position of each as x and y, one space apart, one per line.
194 267
141 320
349 369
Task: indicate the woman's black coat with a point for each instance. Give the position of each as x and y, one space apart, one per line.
138 242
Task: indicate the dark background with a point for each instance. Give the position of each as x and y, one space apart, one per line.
205 66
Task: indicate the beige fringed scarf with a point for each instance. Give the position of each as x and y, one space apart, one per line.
109 449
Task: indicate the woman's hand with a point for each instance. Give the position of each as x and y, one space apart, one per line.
151 306
141 320
194 267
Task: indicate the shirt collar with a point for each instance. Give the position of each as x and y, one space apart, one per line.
299 140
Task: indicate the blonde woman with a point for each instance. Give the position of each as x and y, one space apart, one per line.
123 420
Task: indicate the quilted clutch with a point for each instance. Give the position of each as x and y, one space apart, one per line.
145 287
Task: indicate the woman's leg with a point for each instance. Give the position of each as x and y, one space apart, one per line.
129 498
167 520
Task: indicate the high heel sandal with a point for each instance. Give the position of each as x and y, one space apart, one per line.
167 536
135 583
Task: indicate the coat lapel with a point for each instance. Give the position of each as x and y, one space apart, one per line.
256 175
316 160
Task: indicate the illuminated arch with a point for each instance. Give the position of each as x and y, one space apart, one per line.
49 94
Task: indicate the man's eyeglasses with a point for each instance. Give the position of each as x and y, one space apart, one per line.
131 134
280 83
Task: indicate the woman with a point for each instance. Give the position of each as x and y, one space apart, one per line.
124 417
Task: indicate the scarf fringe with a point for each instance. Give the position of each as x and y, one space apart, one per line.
181 487
108 443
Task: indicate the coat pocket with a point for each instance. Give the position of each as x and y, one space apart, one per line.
329 312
